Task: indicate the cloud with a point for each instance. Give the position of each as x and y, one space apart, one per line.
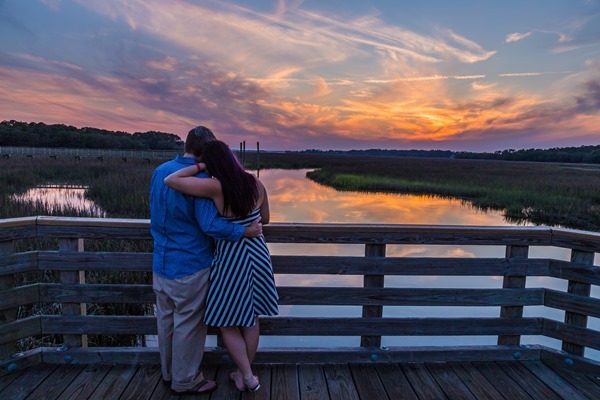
515 37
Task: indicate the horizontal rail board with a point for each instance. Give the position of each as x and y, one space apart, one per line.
409 297
18 232
20 329
19 296
569 302
577 240
18 262
212 355
93 232
289 295
575 272
297 326
407 234
571 362
96 293
410 266
572 334
310 265
95 261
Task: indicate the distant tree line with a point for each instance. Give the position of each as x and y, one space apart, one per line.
32 134
582 154
383 152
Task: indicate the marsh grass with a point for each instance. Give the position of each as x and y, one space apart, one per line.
119 188
546 194
542 193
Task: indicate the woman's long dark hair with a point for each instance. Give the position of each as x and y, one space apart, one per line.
240 189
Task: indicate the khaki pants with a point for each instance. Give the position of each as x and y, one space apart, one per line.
180 305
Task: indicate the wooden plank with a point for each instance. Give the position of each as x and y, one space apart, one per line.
19 296
54 385
7 380
583 337
27 382
422 382
528 381
395 382
86 382
570 362
20 361
101 324
584 305
19 329
312 382
142 384
96 293
18 232
367 382
320 326
264 376
398 326
92 230
576 239
284 382
479 386
339 382
407 234
69 277
449 381
559 385
95 261
17 222
583 384
227 389
7 316
375 282
513 282
580 289
575 272
292 295
146 355
114 383
18 263
420 266
503 383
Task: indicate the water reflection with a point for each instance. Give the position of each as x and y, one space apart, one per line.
61 198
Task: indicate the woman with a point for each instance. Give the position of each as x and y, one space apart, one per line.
241 279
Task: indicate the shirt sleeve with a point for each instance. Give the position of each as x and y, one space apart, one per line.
213 225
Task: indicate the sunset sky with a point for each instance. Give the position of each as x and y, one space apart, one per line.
452 75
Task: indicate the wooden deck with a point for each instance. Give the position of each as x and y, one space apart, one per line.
510 380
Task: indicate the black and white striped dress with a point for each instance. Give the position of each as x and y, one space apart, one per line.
241 281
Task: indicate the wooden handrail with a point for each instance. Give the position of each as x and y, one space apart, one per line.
70 262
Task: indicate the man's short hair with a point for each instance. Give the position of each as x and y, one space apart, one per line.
196 139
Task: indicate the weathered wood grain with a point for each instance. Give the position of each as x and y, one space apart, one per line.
339 382
85 383
20 328
54 385
284 382
114 383
584 305
95 261
70 277
554 381
19 296
586 259
312 382
449 381
18 262
571 334
576 239
475 381
528 381
395 382
513 282
367 382
575 272
7 316
423 383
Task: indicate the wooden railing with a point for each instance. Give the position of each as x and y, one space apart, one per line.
72 293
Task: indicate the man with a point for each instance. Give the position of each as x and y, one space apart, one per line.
182 227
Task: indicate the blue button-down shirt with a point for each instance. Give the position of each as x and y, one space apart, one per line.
182 226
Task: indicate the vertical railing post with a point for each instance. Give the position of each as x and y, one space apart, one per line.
513 282
581 289
70 277
7 316
373 281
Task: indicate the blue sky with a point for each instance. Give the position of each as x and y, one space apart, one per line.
460 75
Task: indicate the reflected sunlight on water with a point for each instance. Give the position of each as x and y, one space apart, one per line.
61 197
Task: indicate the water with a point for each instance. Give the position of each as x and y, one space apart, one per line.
295 198
62 197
